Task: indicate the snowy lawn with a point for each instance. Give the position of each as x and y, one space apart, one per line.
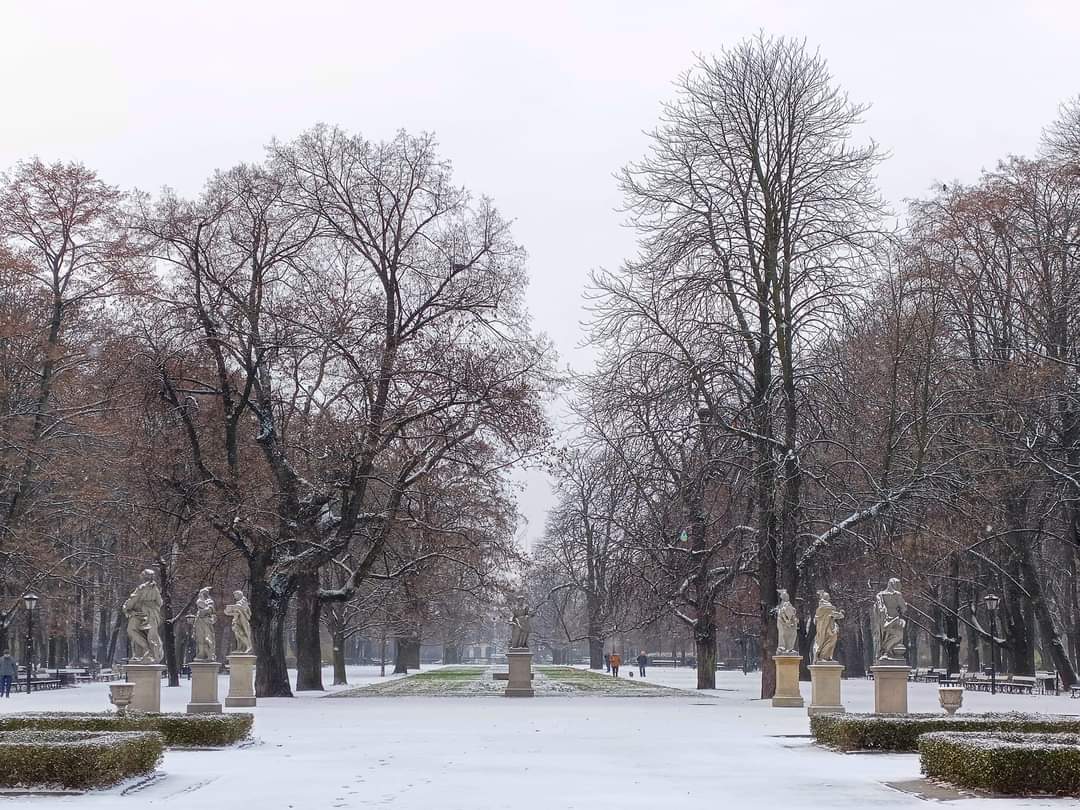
547 752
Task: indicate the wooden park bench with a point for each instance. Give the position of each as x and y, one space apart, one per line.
37 684
1017 685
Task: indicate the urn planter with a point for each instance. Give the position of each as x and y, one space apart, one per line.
120 694
951 698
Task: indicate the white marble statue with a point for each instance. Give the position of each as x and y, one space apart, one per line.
143 611
240 611
889 609
787 626
520 625
827 630
202 626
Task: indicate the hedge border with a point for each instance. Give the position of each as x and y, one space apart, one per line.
178 730
76 759
900 732
1011 763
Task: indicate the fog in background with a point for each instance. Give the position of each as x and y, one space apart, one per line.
536 104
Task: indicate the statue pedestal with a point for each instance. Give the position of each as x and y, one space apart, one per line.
204 688
520 683
890 687
146 696
787 682
241 680
825 688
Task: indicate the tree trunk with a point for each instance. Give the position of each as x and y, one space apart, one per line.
596 653
952 618
168 631
269 611
705 648
308 641
339 641
407 654
110 651
1047 626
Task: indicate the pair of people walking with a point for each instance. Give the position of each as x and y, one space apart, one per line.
612 662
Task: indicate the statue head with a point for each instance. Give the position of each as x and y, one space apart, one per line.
238 596
204 593
148 575
782 593
894 584
823 596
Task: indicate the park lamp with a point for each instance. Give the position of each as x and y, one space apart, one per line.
991 601
30 601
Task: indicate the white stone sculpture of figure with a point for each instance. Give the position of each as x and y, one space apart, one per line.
889 608
787 626
520 626
202 628
143 611
240 611
827 629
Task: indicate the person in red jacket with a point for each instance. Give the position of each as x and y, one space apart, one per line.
616 660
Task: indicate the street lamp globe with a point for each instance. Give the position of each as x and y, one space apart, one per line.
30 601
991 601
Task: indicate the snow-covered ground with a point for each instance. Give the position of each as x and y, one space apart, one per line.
546 752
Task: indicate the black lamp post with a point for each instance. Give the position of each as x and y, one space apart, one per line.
30 601
992 601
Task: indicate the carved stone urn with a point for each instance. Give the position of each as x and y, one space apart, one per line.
951 698
120 694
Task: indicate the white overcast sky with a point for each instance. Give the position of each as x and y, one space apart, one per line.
537 103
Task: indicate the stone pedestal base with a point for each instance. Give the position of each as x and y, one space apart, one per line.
825 688
146 696
241 680
787 694
520 683
890 688
204 691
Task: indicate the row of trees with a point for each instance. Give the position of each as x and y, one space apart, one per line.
310 380
789 394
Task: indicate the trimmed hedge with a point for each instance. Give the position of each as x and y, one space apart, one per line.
900 732
1018 764
75 759
178 730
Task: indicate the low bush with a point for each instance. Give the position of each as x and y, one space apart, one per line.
1018 764
178 730
75 759
900 732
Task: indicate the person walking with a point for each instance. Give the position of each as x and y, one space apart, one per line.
607 663
642 660
616 661
8 672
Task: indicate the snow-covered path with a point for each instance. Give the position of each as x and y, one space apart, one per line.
551 752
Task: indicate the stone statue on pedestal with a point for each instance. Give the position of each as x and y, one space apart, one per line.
889 608
143 611
827 629
520 626
787 626
240 611
202 626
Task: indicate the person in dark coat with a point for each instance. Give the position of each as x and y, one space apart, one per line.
642 660
607 663
9 670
